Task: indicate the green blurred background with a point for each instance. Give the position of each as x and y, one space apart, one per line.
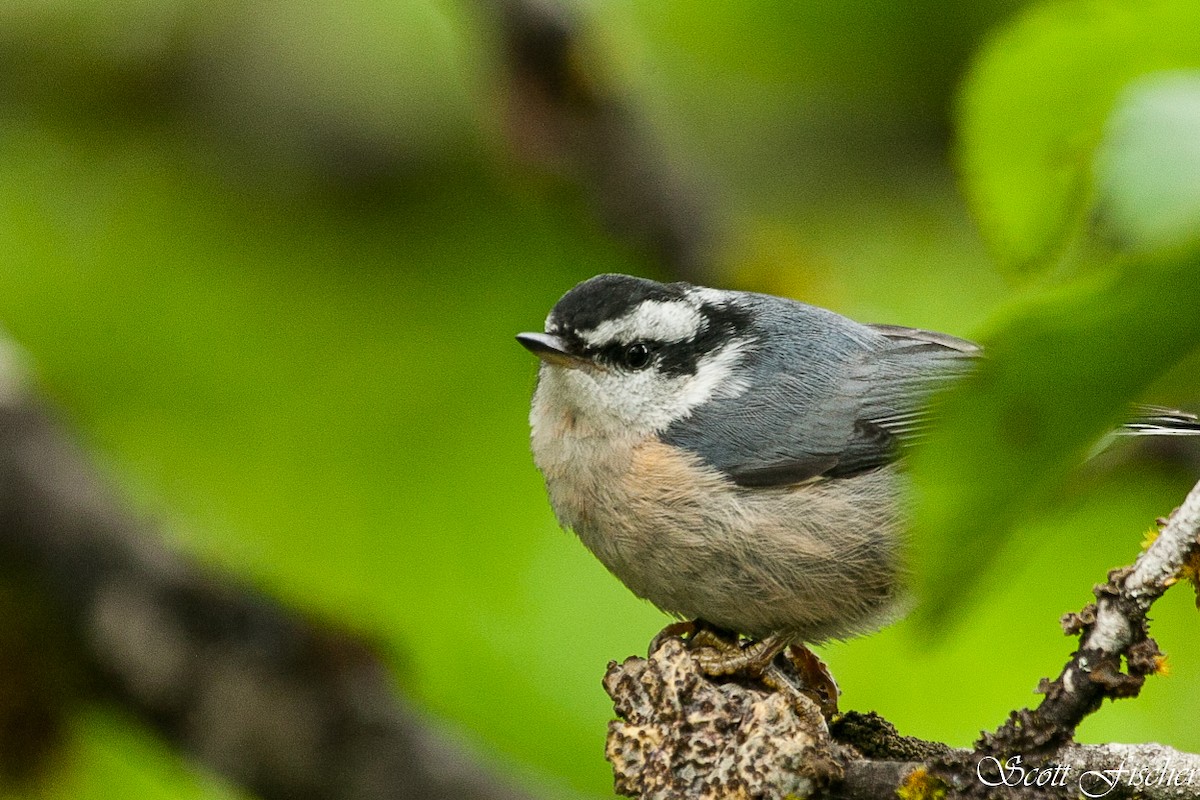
268 259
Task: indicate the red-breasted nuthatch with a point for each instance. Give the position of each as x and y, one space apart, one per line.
732 457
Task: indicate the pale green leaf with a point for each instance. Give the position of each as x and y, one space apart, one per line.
1033 108
1148 166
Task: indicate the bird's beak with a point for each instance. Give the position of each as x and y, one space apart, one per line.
550 349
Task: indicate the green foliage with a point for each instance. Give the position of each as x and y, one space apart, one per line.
1148 166
1033 110
115 758
1065 361
1062 367
333 408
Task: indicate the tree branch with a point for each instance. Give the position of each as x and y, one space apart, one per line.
282 705
1114 628
560 114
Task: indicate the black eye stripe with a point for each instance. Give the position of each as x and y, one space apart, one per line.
722 324
719 325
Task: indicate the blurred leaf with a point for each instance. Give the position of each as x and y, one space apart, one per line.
1148 167
1062 367
1013 637
1033 107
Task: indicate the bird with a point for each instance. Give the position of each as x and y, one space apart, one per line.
736 458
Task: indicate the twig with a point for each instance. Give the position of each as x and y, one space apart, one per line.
281 705
1114 628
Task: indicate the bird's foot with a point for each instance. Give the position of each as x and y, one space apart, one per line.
720 653
816 678
684 628
697 633
808 704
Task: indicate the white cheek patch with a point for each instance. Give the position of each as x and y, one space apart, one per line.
714 377
648 402
670 321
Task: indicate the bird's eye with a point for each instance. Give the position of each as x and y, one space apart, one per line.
636 356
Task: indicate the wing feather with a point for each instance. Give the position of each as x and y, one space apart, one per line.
845 408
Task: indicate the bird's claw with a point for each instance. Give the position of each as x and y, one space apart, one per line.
720 654
684 628
816 679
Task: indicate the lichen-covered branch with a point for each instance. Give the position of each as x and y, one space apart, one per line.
682 734
280 704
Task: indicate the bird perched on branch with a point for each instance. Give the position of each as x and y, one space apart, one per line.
732 457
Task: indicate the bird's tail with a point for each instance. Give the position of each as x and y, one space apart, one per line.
1160 421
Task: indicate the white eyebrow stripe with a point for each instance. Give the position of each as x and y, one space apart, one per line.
658 320
717 297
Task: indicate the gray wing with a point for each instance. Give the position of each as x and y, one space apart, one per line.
897 380
843 406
